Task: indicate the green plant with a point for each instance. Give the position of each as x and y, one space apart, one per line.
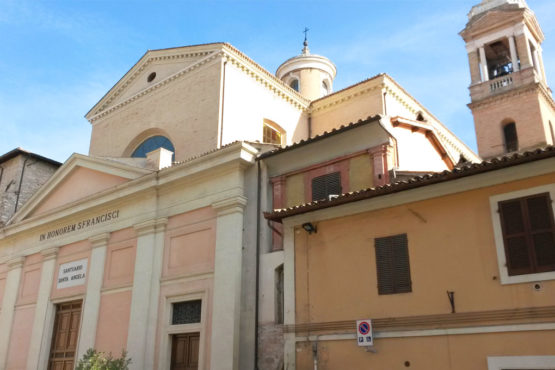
93 360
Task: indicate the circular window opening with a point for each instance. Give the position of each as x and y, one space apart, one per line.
151 77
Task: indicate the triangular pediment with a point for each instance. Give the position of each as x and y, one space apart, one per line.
492 20
80 178
155 67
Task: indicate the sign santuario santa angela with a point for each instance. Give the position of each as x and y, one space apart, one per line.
72 274
83 224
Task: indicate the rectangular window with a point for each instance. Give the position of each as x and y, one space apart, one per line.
392 264
528 234
326 185
187 312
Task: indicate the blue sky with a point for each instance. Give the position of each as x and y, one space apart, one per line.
60 57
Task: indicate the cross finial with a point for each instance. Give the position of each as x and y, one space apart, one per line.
305 43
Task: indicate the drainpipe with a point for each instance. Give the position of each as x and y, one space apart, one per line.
20 182
258 209
315 354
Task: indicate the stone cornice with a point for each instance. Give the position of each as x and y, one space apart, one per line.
533 87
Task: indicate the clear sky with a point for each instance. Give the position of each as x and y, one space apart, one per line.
60 57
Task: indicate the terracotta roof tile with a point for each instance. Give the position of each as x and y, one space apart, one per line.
496 163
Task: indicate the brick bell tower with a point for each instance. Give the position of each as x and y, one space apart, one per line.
511 103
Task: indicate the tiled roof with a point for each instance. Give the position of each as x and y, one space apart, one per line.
323 135
470 169
19 151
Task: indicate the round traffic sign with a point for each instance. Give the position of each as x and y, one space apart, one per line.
364 328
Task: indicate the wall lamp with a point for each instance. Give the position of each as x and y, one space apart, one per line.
309 227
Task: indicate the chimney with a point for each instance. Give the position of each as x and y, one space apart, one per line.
159 158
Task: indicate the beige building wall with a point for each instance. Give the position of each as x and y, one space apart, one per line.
248 102
448 237
184 108
526 109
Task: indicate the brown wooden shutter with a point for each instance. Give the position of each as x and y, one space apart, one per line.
323 186
392 264
528 234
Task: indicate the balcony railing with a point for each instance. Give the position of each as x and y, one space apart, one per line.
500 82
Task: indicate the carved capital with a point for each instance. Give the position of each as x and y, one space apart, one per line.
49 253
16 262
151 226
100 240
230 205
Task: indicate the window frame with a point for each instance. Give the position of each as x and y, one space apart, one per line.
274 127
327 177
395 288
167 329
494 200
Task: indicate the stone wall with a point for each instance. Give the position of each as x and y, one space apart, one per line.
36 173
270 347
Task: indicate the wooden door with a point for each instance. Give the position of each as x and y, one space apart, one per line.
185 349
64 336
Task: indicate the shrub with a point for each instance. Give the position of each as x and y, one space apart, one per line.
93 360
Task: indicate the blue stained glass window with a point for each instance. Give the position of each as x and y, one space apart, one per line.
153 143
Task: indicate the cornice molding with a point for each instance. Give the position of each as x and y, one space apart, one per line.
343 96
533 87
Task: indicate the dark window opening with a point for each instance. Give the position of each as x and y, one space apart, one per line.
498 58
326 185
151 77
279 294
528 234
294 85
510 136
153 143
187 312
392 264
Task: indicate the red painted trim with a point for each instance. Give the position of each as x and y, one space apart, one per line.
342 167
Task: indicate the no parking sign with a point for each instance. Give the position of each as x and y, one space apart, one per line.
364 333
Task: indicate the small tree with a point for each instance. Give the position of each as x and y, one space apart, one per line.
93 360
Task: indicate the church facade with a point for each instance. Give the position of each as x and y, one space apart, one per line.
155 242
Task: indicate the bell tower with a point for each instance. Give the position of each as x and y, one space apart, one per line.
511 103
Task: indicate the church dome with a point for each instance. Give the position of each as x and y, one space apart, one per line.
309 74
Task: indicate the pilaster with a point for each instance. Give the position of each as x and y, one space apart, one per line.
91 304
289 350
143 310
11 289
157 261
380 166
40 337
483 64
226 312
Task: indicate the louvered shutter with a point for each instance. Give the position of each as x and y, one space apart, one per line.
528 234
541 232
392 264
323 186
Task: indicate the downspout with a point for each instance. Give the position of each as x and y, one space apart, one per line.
258 209
20 182
309 126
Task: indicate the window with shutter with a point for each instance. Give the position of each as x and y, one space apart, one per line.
528 234
326 185
392 264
